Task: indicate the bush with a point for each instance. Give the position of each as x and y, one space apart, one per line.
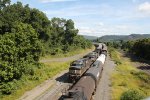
131 95
7 88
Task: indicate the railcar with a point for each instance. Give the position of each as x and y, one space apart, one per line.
92 56
98 48
104 50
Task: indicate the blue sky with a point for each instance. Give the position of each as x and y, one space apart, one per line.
99 17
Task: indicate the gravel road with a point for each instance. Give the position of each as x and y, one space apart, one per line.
65 58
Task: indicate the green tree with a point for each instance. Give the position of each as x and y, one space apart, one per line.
18 12
18 50
4 3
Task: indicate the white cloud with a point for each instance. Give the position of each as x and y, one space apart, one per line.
144 7
48 1
100 24
77 11
122 29
104 18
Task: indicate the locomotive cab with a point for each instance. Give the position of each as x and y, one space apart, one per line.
77 68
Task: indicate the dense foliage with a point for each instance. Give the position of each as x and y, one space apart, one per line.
26 34
64 37
19 51
140 48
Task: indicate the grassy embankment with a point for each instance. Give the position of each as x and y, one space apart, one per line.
74 52
45 71
128 79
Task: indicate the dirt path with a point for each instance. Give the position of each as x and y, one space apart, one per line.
103 90
65 58
51 86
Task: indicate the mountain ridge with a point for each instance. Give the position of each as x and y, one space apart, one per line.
109 38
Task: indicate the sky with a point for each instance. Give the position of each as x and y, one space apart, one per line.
99 17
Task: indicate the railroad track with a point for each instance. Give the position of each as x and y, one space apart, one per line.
55 92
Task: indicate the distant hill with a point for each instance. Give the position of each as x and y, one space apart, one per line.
108 38
90 37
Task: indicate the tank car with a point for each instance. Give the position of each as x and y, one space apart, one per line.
104 50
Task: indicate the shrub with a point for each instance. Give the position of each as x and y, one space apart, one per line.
7 88
131 95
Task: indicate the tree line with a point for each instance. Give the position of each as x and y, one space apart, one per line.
25 35
139 48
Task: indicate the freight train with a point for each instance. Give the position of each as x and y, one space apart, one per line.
86 86
100 47
79 67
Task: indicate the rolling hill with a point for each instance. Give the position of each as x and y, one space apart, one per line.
108 38
90 37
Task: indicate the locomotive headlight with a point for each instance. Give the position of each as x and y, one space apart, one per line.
80 72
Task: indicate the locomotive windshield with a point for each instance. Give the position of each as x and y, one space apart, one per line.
77 64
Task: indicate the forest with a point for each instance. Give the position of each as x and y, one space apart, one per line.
26 34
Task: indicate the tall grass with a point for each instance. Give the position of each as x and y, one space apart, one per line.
127 77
